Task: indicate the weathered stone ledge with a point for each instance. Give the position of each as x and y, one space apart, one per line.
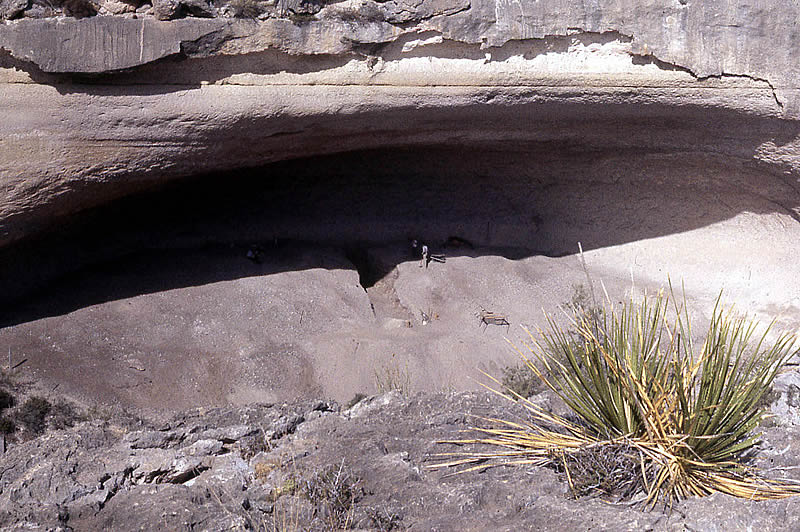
103 107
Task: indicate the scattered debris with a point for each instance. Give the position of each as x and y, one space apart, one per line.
491 318
429 316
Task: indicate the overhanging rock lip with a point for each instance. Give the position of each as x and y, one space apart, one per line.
109 44
99 44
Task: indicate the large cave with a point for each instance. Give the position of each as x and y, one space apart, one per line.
298 277
221 211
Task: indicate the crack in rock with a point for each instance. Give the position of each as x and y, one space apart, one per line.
746 76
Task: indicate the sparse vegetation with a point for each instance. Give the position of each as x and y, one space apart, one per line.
36 413
331 494
6 400
64 414
611 470
334 491
357 398
7 426
392 376
581 304
642 394
246 8
302 18
520 381
33 413
385 520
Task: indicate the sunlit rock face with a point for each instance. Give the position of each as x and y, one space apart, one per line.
97 108
143 162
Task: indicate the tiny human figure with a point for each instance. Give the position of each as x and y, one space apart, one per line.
418 249
256 254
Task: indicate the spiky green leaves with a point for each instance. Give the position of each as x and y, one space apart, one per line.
633 377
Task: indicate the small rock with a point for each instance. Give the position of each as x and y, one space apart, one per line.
173 9
787 392
116 7
230 434
184 469
284 425
198 8
396 323
203 448
79 8
39 11
403 11
324 406
166 9
150 439
10 9
369 404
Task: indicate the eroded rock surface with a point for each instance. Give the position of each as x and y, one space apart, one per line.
141 265
164 100
263 465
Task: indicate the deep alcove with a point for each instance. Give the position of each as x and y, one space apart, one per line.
509 197
296 278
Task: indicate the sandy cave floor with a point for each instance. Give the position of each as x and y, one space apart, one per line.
300 324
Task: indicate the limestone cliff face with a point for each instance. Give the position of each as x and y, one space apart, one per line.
662 135
103 107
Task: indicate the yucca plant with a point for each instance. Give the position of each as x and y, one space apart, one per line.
640 390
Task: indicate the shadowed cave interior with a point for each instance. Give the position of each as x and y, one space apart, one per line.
517 200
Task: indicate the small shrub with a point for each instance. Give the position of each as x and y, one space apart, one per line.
581 304
687 414
64 415
334 491
610 470
301 18
263 469
357 398
290 486
246 8
6 400
521 381
384 520
392 377
33 413
7 425
249 446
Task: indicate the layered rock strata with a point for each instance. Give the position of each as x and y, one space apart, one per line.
98 108
663 136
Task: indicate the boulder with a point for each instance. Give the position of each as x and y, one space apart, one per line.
117 7
173 9
11 9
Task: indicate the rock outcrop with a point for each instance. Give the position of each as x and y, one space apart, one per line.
319 467
325 136
102 107
211 204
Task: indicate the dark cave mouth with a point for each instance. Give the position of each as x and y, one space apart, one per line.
514 202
